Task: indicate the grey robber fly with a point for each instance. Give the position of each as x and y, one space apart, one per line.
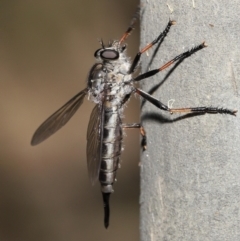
109 85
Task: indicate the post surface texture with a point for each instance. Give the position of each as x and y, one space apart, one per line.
190 172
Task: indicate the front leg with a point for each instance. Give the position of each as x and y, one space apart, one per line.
160 37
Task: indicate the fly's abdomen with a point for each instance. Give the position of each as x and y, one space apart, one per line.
111 149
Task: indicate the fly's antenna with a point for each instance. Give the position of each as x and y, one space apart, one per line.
101 43
136 16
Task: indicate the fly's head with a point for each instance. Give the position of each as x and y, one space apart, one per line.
110 54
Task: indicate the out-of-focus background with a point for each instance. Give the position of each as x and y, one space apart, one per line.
46 51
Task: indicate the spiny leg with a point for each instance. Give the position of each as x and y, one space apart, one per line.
150 45
179 57
197 110
203 110
142 132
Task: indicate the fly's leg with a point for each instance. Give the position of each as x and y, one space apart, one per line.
197 110
203 110
150 45
142 132
160 105
131 26
179 57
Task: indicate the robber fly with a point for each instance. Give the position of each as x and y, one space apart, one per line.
109 85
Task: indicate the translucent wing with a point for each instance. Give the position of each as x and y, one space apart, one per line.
94 142
58 119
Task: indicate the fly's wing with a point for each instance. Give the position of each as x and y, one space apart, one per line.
94 142
58 119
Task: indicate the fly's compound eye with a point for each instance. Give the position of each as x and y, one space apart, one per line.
109 54
97 53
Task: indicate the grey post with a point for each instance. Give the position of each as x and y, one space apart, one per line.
190 173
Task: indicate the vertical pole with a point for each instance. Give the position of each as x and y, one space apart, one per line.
190 173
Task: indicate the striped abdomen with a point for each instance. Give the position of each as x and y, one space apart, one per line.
111 148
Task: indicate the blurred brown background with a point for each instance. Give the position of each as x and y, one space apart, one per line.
46 51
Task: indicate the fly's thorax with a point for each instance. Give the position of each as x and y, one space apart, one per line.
108 85
117 95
